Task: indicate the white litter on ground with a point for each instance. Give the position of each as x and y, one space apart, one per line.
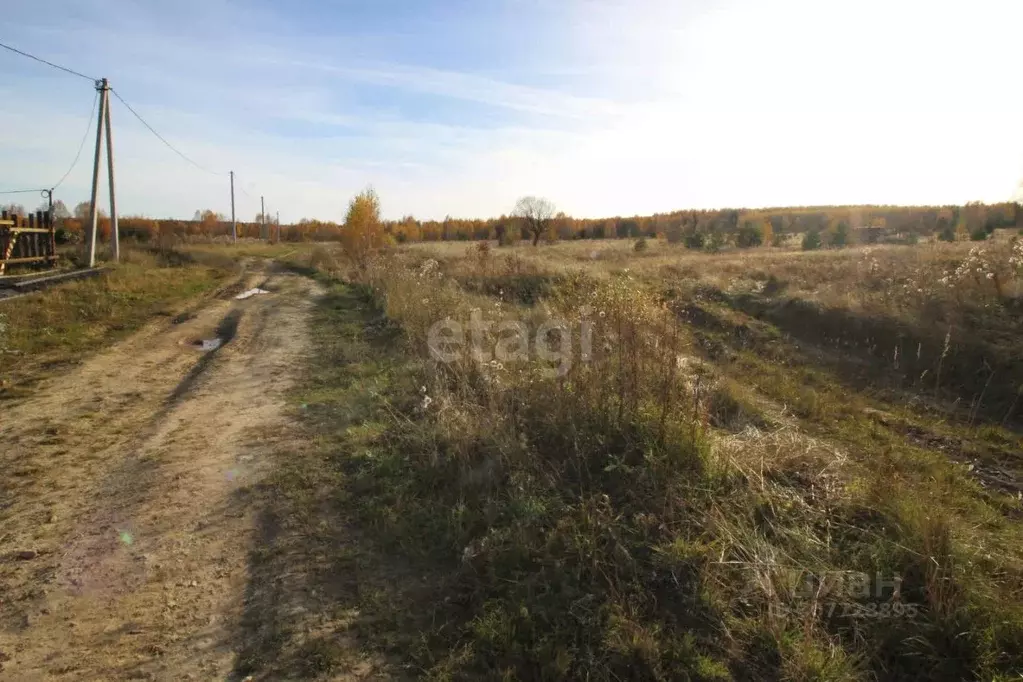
250 293
207 344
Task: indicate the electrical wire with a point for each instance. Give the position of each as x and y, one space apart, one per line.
81 146
89 126
159 136
43 61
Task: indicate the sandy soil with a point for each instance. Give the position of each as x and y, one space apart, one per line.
125 494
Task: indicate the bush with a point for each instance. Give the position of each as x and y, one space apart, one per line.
749 236
947 234
811 240
841 236
640 246
979 235
695 240
62 235
506 236
717 241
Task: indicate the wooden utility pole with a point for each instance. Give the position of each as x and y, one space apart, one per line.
278 227
234 223
263 233
103 122
115 241
101 86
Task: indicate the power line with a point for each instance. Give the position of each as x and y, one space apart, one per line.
81 146
89 126
159 136
43 61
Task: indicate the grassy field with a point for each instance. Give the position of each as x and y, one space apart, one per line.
762 464
768 464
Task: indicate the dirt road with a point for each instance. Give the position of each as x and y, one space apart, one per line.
125 514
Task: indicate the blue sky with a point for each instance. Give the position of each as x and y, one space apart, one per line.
457 108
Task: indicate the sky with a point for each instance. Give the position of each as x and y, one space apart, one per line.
459 107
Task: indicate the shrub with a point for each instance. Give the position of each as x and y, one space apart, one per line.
947 234
695 240
322 259
62 235
480 255
811 240
749 236
640 246
506 235
717 241
840 237
979 235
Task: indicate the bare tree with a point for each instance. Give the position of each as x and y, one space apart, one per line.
537 214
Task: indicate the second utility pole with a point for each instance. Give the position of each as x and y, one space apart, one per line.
234 223
115 242
93 212
262 219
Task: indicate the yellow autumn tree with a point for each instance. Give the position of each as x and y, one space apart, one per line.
363 232
768 231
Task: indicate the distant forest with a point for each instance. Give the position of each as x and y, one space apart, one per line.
826 226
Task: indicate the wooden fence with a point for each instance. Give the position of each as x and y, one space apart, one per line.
27 239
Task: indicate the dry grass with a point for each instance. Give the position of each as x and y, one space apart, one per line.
690 502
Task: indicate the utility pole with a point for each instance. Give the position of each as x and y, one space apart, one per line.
51 222
234 223
115 242
278 227
101 86
48 193
102 122
263 234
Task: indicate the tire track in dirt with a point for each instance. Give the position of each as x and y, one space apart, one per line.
133 481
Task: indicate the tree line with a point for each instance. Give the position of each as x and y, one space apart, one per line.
536 219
